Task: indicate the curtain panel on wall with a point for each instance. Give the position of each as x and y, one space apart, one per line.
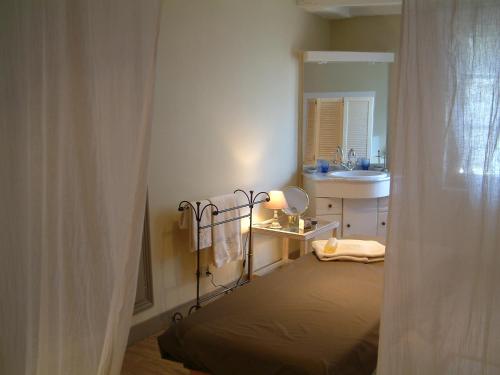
441 310
75 110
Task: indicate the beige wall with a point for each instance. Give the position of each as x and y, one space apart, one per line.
369 34
226 115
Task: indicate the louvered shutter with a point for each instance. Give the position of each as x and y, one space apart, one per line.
358 125
310 141
329 134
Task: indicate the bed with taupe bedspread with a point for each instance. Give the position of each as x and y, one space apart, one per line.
310 317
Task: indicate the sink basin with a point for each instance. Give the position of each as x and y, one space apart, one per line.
348 184
359 175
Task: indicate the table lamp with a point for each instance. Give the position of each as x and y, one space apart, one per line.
277 202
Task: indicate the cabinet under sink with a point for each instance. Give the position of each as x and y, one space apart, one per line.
360 207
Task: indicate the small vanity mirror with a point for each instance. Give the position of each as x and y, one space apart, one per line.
297 201
345 106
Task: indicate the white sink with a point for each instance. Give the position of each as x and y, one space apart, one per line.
348 184
359 175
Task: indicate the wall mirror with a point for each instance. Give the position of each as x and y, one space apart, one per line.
345 103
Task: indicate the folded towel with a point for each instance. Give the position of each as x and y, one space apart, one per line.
188 221
351 250
226 238
347 258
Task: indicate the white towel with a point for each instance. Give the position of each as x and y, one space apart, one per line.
188 221
226 238
351 250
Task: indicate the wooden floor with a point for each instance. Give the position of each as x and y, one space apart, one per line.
143 358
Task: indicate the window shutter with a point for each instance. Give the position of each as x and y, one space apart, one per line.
358 125
310 143
329 134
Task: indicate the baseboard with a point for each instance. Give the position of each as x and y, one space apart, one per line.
268 268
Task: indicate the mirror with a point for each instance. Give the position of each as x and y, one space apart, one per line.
345 103
297 200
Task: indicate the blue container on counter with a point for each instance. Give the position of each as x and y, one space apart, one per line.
322 166
364 163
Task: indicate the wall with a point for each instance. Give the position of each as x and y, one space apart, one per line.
369 34
226 116
354 77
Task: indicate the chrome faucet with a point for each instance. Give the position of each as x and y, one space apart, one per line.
338 153
351 156
349 165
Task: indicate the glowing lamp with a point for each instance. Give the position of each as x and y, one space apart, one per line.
277 202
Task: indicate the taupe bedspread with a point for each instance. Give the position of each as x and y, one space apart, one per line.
309 317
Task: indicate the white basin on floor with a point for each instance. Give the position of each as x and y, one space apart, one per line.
359 175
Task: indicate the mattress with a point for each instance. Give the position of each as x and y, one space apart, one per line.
310 317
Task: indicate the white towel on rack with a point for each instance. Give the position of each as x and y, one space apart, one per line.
226 238
188 221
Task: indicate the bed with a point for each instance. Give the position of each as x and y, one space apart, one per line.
310 317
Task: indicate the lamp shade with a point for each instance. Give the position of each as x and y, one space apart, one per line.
278 200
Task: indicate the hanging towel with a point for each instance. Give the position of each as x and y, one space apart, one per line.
350 250
188 221
226 238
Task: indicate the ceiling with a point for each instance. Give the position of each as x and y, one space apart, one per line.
351 8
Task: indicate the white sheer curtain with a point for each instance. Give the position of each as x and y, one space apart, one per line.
441 310
75 110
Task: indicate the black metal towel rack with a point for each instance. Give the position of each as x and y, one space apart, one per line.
198 211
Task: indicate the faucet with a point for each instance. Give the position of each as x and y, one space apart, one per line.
351 154
349 165
336 156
